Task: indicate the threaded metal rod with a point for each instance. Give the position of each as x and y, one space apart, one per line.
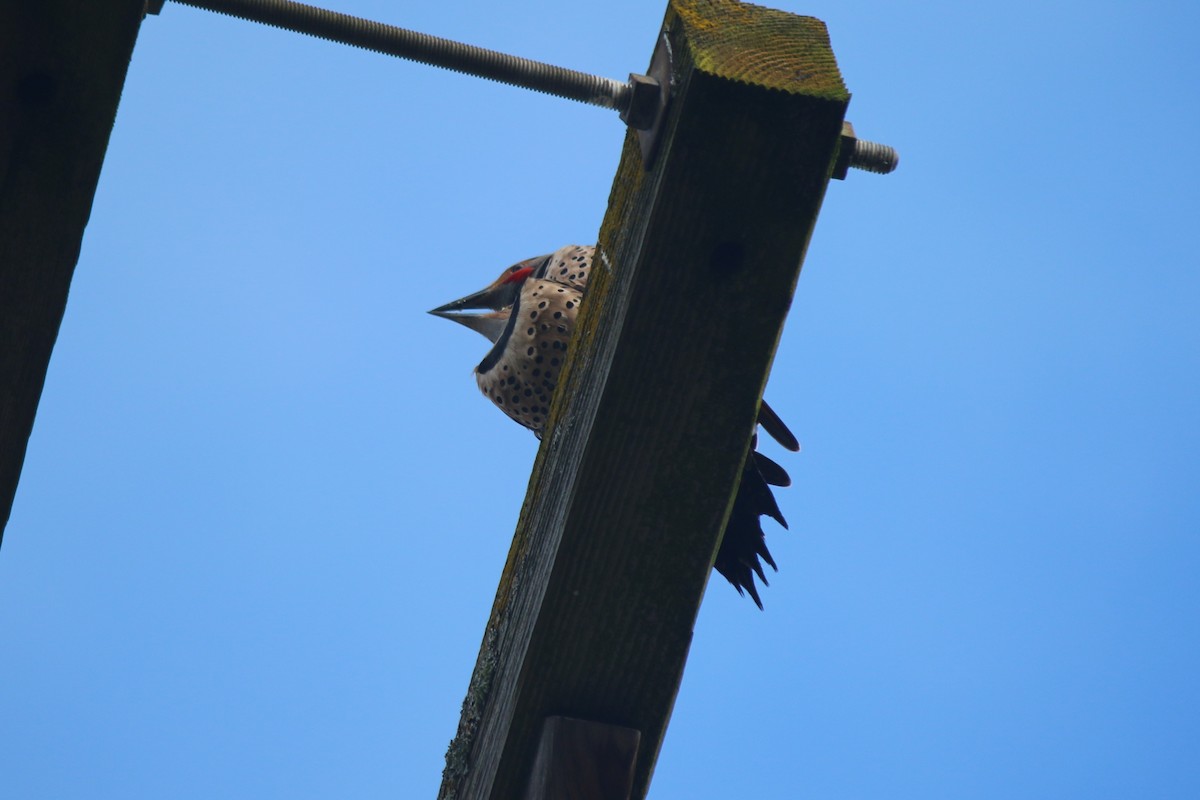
449 54
393 41
874 157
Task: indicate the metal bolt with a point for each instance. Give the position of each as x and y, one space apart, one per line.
874 157
864 155
393 41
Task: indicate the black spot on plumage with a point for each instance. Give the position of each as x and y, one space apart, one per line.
558 315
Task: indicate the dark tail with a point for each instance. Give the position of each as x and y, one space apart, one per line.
743 547
773 425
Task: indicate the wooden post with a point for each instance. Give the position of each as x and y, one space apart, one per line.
62 66
583 760
698 259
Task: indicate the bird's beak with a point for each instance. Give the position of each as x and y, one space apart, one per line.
494 300
490 323
488 298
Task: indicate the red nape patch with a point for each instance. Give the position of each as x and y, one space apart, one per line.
519 275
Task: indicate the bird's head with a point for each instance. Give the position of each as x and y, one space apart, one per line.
493 301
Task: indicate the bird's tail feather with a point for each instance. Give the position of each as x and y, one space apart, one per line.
773 425
743 547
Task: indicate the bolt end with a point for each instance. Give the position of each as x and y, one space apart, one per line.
874 157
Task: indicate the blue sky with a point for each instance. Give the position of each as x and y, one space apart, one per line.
264 508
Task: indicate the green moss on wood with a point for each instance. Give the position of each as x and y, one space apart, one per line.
761 46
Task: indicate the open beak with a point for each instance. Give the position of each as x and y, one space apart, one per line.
490 323
494 300
483 299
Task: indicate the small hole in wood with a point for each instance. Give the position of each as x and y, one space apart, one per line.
727 257
36 89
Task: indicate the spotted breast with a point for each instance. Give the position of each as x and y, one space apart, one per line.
519 373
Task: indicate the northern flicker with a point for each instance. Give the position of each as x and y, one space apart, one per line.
528 314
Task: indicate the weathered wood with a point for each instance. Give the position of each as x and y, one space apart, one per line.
650 425
62 66
581 760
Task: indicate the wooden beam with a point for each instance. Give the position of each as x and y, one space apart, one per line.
583 760
650 425
62 66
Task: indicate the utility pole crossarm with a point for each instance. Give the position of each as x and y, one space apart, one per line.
697 262
63 66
